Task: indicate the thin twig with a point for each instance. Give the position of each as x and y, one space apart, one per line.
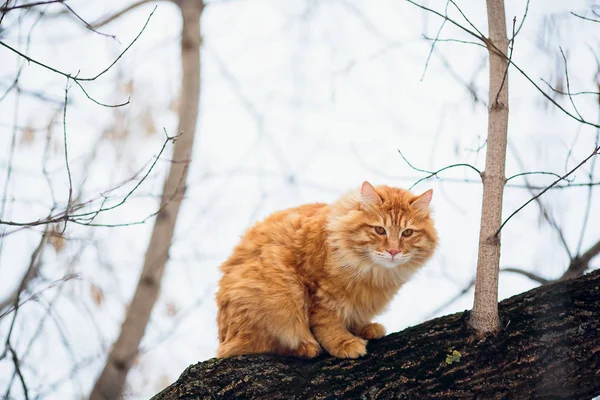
116 15
593 154
572 94
568 84
511 46
585 18
581 263
530 275
87 25
537 173
452 300
437 37
78 217
435 173
511 62
76 78
453 41
522 21
589 197
467 19
67 155
17 366
543 210
37 294
31 273
28 5
169 139
480 37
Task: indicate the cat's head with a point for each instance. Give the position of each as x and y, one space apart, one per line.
383 226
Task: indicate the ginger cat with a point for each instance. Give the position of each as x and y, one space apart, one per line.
314 276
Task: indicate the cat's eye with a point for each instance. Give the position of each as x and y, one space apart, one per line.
407 232
380 230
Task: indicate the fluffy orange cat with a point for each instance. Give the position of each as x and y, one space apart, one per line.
314 276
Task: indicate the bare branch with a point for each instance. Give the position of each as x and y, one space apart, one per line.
85 218
537 173
494 48
17 366
29 5
568 83
571 94
445 17
522 20
467 19
30 274
590 190
437 37
585 160
453 41
435 173
452 300
87 25
530 275
511 45
67 154
118 14
543 210
585 18
581 263
9 170
37 294
76 78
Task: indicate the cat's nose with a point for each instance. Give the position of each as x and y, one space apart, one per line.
393 252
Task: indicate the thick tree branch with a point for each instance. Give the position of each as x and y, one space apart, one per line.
549 348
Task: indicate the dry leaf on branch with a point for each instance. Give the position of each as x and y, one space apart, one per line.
97 294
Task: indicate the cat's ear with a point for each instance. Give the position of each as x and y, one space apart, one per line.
422 202
368 195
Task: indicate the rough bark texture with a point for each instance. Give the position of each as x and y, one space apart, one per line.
485 308
549 348
111 382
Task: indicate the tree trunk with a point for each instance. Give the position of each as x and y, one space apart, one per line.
484 317
549 348
112 379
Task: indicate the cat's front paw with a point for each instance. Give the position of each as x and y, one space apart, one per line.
308 349
371 331
349 348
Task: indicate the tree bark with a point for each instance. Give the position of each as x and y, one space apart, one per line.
484 317
111 382
549 348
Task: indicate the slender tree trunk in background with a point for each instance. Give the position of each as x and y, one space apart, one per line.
111 382
484 317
